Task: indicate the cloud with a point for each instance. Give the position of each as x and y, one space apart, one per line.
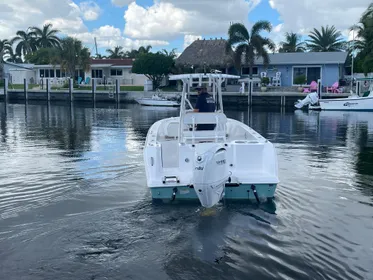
166 20
121 3
189 39
109 36
90 10
303 16
21 14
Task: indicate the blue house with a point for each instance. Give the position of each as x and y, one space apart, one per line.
327 66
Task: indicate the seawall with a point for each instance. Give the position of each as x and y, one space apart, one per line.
283 99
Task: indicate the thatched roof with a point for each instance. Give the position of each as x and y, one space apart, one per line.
212 52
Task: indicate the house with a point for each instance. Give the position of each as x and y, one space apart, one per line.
104 71
327 66
16 73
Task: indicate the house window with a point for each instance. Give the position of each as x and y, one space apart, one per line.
60 73
246 70
97 73
116 72
312 73
46 73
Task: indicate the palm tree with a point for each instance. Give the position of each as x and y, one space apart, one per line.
74 55
11 56
46 37
145 49
5 47
365 39
292 43
328 40
171 54
248 46
99 56
131 54
26 42
117 52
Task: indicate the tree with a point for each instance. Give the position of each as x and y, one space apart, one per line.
292 43
11 56
328 40
26 42
363 45
74 55
247 46
145 49
155 66
45 56
136 53
46 37
117 52
171 54
5 47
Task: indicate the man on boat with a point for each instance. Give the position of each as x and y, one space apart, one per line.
205 104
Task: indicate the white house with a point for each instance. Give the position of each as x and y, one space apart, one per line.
104 71
16 73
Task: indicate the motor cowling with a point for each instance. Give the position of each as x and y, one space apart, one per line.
210 173
311 98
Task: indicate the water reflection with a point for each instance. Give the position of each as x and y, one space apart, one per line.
73 194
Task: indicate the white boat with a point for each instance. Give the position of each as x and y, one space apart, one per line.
354 102
157 100
230 162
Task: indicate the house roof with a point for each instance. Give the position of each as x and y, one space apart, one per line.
113 62
306 58
20 65
212 52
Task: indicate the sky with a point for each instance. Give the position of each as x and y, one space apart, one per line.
169 24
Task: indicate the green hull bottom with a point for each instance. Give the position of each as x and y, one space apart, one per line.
241 192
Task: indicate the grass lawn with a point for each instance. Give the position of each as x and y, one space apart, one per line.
169 88
99 88
20 86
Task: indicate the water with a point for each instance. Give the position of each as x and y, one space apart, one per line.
74 202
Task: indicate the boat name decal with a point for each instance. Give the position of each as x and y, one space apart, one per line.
348 104
199 168
220 162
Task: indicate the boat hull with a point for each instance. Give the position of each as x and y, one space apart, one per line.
240 192
155 102
347 104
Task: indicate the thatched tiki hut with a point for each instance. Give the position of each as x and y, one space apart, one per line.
206 55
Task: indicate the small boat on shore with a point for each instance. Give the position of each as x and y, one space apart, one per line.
229 161
158 100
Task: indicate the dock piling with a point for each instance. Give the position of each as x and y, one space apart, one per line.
6 84
94 91
71 84
25 89
117 90
48 91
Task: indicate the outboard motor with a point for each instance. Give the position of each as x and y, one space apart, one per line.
311 98
210 173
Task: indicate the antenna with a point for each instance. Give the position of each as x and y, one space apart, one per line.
96 47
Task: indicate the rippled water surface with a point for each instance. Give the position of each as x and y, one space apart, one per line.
74 202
